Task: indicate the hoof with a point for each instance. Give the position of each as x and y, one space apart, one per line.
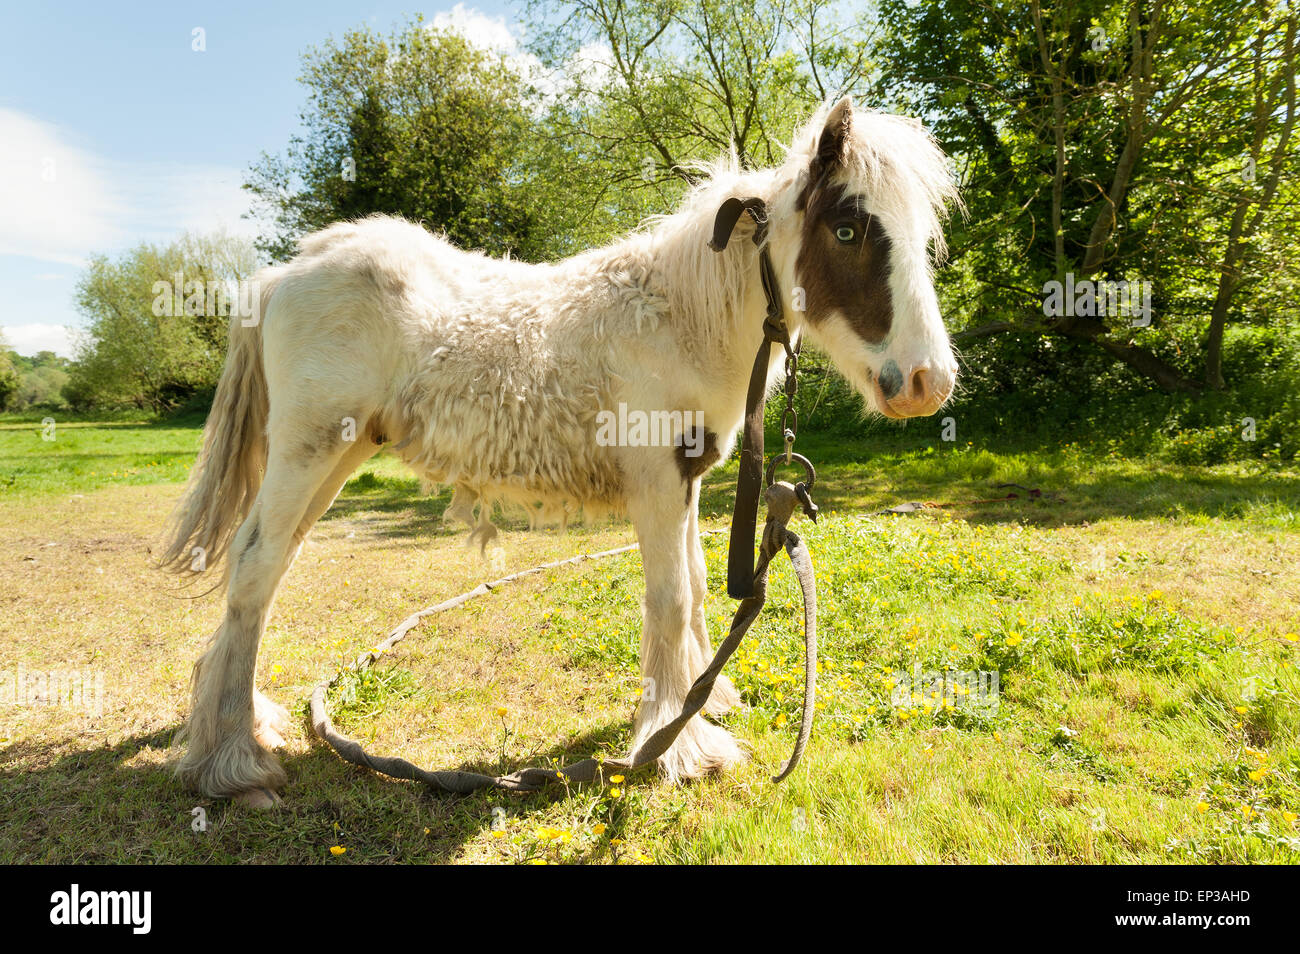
259 798
701 749
236 766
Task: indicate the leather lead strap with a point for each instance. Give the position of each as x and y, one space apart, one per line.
744 518
749 480
729 213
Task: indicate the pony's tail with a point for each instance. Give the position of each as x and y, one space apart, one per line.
228 473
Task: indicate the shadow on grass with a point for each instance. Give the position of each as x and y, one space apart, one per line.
394 508
93 806
852 479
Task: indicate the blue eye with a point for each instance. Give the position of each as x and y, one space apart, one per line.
846 233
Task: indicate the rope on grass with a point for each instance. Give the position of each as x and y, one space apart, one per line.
781 502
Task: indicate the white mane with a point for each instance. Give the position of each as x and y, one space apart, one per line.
892 160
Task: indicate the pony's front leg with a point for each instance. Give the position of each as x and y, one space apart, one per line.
670 659
724 697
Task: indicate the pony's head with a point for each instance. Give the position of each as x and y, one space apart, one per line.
852 227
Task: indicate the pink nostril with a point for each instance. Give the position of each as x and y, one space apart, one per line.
922 390
918 389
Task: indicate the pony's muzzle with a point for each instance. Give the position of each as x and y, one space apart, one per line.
919 391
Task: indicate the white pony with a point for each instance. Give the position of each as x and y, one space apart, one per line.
492 376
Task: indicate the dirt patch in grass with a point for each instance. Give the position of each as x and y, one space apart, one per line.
1157 729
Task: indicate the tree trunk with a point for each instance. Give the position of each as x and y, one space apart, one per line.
1141 71
1144 362
1058 130
1266 105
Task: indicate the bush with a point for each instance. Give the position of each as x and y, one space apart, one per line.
1029 391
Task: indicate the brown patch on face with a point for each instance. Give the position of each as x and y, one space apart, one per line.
693 468
838 275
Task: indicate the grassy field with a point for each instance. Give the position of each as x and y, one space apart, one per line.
1143 627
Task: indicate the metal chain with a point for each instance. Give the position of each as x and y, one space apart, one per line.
790 417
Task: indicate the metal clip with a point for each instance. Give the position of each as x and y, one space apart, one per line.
810 473
806 501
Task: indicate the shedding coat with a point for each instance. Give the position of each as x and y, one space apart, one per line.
491 376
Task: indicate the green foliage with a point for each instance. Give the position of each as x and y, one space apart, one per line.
1031 391
1113 148
149 342
361 693
423 124
38 381
681 82
1143 633
10 376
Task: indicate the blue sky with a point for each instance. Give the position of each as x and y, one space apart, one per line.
113 130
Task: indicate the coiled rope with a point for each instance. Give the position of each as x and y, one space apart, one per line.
781 500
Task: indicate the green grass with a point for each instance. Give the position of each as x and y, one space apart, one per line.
70 456
945 596
1142 626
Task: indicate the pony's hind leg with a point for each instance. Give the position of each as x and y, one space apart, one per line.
230 722
270 720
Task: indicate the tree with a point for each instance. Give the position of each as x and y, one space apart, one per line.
422 124
1271 83
41 386
661 85
1099 139
10 379
157 321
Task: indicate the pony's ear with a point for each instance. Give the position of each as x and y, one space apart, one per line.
835 134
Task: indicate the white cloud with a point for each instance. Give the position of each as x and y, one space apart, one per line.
60 202
55 202
596 60
491 33
29 339
592 61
